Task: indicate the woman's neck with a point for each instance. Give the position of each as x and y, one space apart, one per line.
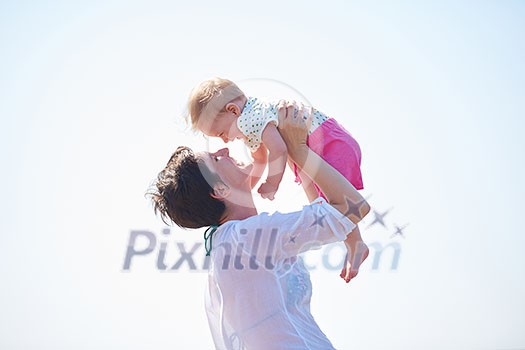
238 212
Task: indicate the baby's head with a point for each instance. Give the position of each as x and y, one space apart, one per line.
214 106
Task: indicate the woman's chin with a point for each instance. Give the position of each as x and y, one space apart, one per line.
246 168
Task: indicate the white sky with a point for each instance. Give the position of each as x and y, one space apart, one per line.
91 97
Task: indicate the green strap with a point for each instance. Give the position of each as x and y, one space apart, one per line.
208 236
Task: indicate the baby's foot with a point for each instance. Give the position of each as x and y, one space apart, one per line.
357 253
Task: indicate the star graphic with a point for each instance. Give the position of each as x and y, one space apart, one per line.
353 207
378 218
399 231
318 220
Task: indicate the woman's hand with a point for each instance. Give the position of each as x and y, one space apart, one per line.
293 127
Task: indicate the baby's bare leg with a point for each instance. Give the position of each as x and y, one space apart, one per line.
357 249
357 253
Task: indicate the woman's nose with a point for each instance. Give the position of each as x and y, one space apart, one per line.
224 152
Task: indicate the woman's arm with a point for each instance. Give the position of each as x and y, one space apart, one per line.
337 189
306 183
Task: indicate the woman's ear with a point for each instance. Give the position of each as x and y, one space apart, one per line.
233 108
220 190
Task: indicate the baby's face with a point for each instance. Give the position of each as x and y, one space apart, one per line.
223 125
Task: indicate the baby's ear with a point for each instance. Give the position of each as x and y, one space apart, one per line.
233 108
220 190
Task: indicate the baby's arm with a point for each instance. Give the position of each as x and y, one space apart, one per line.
277 155
260 158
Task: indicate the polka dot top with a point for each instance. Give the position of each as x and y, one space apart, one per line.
257 113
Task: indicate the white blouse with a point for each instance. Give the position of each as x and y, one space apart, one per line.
259 291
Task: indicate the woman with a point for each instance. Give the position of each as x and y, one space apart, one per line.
259 291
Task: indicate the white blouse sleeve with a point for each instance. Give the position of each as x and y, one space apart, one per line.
280 236
318 224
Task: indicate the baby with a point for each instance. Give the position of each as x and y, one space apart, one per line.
218 108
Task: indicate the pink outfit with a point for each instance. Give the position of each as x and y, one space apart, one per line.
338 148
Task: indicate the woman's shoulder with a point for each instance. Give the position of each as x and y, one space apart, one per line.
277 220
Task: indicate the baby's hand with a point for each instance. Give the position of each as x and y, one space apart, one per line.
267 190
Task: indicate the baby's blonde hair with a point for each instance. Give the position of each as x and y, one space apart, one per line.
210 97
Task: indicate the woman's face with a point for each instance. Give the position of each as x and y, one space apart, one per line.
233 173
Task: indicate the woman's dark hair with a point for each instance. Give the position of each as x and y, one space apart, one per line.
182 192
